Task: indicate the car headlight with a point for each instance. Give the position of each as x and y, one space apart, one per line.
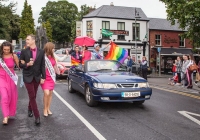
98 85
143 85
108 86
105 86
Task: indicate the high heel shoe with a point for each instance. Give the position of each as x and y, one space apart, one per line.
49 112
5 121
45 114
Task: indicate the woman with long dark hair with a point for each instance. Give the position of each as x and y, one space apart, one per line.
8 80
178 70
144 67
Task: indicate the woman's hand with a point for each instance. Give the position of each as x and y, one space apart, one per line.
22 61
42 81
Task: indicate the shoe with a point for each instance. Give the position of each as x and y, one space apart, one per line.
189 87
30 113
49 112
5 121
45 115
195 83
37 121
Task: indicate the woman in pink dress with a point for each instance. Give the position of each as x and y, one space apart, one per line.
86 55
49 83
8 88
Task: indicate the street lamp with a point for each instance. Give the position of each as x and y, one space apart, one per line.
136 17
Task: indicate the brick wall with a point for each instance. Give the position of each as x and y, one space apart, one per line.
168 38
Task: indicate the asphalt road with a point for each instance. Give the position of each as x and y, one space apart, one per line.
157 119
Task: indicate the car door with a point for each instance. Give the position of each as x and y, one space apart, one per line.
78 78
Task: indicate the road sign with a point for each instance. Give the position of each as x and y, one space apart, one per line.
159 49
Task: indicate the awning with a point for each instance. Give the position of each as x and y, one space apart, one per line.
175 51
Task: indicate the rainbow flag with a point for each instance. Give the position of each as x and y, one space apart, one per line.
117 53
74 61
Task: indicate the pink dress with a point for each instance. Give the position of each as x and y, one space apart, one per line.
8 90
49 83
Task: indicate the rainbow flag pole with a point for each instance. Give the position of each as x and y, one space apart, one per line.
117 53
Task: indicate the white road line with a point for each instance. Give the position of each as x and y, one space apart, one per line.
188 115
87 124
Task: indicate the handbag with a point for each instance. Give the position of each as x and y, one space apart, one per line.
193 67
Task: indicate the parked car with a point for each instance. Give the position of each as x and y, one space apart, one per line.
107 81
64 66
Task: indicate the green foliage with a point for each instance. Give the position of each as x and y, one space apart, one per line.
61 15
188 15
9 21
48 27
27 21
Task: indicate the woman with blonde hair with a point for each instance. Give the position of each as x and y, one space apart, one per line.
51 71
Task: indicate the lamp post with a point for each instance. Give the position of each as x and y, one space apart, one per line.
136 17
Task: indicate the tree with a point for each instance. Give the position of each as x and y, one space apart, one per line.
188 15
27 21
84 11
9 23
61 15
48 27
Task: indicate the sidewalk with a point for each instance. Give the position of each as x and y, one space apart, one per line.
162 82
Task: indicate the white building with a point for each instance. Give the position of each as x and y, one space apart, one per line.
121 21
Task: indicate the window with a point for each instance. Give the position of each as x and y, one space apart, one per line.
137 26
181 41
121 26
89 28
105 25
158 40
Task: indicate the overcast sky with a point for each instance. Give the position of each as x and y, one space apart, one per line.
152 8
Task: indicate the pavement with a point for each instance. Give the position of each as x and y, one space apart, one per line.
163 80
163 117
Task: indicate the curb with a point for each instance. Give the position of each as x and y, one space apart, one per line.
193 91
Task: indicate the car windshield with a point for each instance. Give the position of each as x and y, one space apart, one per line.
68 59
104 65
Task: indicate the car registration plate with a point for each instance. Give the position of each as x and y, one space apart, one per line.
130 94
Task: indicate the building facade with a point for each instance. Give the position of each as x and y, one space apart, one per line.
129 26
167 37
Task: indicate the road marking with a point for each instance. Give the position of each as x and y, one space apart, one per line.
87 124
178 92
188 115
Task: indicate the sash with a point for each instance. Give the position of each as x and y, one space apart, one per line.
97 55
50 69
14 77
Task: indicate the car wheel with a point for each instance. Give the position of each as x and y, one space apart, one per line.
70 89
139 102
89 97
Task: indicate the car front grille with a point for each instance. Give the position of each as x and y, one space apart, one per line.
135 85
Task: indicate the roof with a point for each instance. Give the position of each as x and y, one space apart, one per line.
163 24
175 51
116 12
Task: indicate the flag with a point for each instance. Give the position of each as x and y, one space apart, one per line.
106 33
74 61
117 53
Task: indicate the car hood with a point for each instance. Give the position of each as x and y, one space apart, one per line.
116 77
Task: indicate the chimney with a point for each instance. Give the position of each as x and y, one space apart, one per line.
111 4
92 9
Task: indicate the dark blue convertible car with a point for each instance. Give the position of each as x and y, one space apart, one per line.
107 81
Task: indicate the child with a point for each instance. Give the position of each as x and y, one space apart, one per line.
173 80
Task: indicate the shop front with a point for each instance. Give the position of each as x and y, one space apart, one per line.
168 57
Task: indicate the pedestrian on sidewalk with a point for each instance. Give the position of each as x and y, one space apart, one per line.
32 61
143 65
178 70
51 71
184 70
174 68
197 79
189 72
8 81
129 64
